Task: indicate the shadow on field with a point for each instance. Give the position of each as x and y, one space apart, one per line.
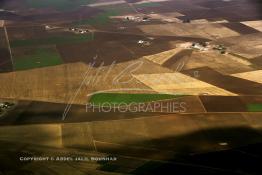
212 151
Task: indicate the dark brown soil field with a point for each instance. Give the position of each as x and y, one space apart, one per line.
177 59
240 28
232 84
36 32
252 99
219 4
130 27
82 13
223 104
257 61
235 11
26 32
110 47
9 16
5 61
241 10
180 6
47 15
3 43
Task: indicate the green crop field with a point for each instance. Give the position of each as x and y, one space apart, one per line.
254 107
41 57
51 40
99 19
62 5
118 98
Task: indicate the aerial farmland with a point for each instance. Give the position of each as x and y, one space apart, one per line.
130 87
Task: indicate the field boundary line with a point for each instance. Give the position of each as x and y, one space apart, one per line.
8 45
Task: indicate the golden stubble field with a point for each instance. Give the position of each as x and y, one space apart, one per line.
179 83
74 81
